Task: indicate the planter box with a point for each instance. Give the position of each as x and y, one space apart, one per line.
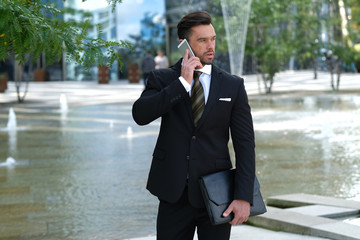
41 75
103 75
3 83
133 73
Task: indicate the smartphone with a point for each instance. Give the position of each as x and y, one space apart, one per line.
183 46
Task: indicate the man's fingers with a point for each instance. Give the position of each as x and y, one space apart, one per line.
241 210
186 56
237 221
228 211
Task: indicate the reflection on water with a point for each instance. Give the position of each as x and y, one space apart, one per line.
308 144
90 177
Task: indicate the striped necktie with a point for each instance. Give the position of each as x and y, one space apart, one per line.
197 98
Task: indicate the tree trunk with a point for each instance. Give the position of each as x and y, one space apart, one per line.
265 81
338 71
315 68
19 77
255 67
331 69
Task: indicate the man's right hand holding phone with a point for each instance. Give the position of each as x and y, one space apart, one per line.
189 65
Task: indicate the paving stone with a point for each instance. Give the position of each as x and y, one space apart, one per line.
13 209
281 220
15 198
304 220
301 199
14 190
324 211
337 231
2 179
20 228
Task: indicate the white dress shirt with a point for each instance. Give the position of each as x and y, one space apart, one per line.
205 80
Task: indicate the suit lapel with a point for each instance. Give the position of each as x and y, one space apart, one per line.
214 93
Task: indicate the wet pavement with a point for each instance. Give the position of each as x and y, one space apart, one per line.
81 173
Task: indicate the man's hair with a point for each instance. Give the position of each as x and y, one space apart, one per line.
191 20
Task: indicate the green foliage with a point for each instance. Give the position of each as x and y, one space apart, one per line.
279 30
355 13
30 28
306 26
269 37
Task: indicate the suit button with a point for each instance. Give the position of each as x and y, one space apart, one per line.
188 157
193 137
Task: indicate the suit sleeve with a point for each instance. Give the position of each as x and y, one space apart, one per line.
162 92
242 133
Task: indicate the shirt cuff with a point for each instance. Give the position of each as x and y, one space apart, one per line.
186 85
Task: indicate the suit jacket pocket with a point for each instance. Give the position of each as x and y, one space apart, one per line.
223 163
159 154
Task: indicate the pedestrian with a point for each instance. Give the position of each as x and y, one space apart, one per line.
192 143
147 65
161 60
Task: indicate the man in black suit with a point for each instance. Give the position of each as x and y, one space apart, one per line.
186 150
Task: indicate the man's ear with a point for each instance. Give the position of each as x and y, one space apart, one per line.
180 40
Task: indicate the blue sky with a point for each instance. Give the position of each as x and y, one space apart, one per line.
130 12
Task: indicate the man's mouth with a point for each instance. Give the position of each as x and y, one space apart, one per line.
209 54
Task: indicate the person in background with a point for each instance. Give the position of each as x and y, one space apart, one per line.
147 65
161 60
198 114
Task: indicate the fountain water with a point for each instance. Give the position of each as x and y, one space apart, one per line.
8 163
11 125
236 17
129 132
63 103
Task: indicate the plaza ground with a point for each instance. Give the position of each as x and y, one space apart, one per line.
46 94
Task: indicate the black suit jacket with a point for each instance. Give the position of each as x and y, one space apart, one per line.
184 152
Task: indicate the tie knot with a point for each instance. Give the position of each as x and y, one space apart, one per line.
197 75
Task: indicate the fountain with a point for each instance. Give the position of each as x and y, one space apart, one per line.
111 123
8 163
129 132
63 103
236 17
11 125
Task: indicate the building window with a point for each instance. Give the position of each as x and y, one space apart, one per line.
105 25
113 33
103 15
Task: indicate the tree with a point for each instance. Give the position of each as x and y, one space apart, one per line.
306 27
279 31
354 27
30 28
268 39
344 32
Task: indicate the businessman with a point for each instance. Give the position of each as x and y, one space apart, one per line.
198 115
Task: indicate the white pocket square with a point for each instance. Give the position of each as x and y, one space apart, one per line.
225 99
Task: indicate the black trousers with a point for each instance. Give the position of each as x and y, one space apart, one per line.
178 221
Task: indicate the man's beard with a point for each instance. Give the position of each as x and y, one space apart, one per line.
205 61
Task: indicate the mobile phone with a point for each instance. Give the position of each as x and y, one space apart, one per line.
183 46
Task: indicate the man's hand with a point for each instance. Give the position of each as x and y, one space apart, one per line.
241 210
188 66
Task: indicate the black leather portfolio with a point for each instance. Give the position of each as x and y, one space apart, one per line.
217 190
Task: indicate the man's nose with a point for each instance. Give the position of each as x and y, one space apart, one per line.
211 45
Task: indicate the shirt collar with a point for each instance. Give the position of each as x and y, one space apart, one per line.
206 69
